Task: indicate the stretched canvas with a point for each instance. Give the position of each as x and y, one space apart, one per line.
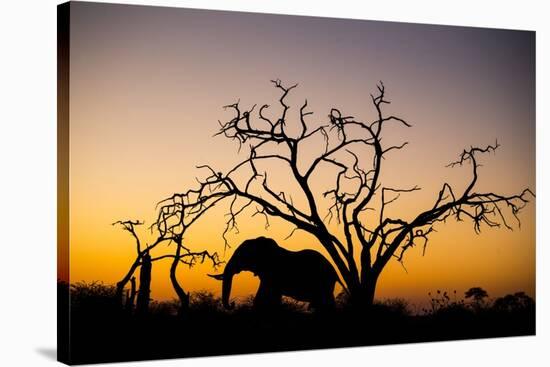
234 182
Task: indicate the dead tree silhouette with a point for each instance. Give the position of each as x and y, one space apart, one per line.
130 226
377 236
169 231
303 275
174 226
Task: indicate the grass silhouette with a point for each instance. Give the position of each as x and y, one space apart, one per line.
101 331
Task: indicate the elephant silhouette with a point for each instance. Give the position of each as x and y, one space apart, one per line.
303 275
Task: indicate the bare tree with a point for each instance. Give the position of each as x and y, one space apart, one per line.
170 234
363 222
130 226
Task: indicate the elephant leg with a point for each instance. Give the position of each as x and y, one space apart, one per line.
267 297
261 296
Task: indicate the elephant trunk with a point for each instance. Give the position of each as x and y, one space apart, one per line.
228 274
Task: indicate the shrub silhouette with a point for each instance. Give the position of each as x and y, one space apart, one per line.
517 302
399 307
477 294
164 308
204 301
478 297
441 302
94 297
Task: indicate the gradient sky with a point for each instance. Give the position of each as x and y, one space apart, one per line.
146 89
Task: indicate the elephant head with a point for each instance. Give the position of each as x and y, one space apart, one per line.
256 255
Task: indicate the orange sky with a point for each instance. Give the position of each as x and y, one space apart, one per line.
146 89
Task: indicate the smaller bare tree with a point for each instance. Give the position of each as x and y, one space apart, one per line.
168 234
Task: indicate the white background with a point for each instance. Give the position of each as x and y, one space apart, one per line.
28 183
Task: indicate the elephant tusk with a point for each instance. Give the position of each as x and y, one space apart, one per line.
216 276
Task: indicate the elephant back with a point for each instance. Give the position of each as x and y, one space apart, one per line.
312 263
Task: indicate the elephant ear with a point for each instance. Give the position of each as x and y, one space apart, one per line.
216 276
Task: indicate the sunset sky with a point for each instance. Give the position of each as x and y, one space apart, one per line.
147 86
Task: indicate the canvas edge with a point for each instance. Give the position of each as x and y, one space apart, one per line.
63 74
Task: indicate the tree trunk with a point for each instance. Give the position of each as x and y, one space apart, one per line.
369 290
182 296
142 304
362 298
120 285
119 293
350 279
131 297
